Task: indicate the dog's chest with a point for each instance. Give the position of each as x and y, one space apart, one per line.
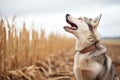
83 62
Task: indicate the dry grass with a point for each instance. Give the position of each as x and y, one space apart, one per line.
41 58
18 52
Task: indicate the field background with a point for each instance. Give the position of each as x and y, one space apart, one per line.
41 58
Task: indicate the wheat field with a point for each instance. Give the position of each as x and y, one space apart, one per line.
41 58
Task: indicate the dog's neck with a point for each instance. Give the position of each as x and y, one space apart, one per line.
83 46
89 49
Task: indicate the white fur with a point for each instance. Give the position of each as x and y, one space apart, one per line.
85 66
83 62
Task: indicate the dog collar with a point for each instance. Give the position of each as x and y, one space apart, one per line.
88 49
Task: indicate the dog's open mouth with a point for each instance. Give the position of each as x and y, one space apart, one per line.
72 26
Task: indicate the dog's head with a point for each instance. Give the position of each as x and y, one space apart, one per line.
85 29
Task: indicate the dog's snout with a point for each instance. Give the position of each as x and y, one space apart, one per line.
67 15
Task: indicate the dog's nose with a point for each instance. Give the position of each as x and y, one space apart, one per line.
67 15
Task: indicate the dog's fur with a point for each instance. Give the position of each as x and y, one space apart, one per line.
95 64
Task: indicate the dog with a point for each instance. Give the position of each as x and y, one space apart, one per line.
90 60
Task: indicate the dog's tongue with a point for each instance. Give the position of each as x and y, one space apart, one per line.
67 27
74 28
70 27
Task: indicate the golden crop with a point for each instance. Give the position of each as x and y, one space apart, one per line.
41 58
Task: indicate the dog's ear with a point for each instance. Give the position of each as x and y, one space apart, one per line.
96 21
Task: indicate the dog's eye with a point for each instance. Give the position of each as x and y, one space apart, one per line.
80 18
90 19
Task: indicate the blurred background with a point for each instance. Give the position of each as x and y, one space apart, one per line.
34 45
51 14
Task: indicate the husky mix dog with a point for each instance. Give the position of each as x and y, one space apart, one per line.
90 60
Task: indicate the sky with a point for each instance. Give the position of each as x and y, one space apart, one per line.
50 14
